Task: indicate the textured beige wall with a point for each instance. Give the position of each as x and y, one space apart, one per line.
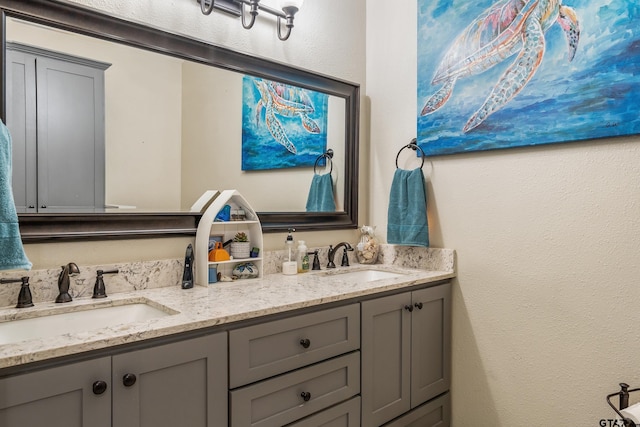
313 45
545 305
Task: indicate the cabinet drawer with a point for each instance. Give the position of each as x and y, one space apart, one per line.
280 400
345 414
435 413
261 351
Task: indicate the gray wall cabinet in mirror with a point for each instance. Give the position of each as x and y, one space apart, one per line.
72 226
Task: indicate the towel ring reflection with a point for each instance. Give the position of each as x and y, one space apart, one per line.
415 147
327 155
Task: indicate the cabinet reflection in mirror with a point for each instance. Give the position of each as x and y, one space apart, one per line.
117 126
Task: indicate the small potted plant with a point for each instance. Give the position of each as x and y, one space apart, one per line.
240 246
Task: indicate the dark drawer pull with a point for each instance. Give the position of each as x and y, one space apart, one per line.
306 396
418 305
305 343
99 387
409 308
128 380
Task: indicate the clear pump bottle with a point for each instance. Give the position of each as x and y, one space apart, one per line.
302 257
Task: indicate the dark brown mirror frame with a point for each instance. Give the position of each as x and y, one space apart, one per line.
56 227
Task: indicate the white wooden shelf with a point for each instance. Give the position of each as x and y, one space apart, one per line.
235 261
226 229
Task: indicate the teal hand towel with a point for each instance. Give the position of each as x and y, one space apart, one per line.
407 215
12 256
321 194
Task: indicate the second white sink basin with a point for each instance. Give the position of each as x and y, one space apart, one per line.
79 320
368 275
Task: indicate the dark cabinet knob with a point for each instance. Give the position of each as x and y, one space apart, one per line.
99 387
418 305
305 343
128 380
305 396
409 308
44 206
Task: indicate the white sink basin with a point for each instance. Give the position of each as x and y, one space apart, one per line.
368 275
79 320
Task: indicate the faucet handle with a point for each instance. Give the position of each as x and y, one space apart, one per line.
345 258
316 261
19 279
24 297
99 290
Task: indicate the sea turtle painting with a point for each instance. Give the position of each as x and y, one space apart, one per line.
507 28
279 99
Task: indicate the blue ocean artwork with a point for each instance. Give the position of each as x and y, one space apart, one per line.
283 126
513 73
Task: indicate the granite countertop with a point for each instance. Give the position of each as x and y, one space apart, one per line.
202 307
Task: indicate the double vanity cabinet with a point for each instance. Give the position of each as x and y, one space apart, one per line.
379 359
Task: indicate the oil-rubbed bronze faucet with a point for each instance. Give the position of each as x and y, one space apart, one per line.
70 269
332 253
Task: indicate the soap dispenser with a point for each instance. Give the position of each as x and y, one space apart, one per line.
187 274
302 257
289 266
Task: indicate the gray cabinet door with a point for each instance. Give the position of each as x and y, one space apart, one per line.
406 352
386 352
21 121
178 384
70 105
56 115
58 397
430 343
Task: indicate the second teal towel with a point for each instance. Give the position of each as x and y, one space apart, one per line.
321 194
407 215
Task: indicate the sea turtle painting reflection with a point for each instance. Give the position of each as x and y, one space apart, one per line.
506 28
279 99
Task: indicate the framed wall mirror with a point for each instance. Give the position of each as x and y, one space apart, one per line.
173 128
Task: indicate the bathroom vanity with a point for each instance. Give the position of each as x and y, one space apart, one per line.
308 350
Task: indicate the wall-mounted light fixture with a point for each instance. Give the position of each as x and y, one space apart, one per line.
249 9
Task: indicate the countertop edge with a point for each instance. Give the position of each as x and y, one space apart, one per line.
215 308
